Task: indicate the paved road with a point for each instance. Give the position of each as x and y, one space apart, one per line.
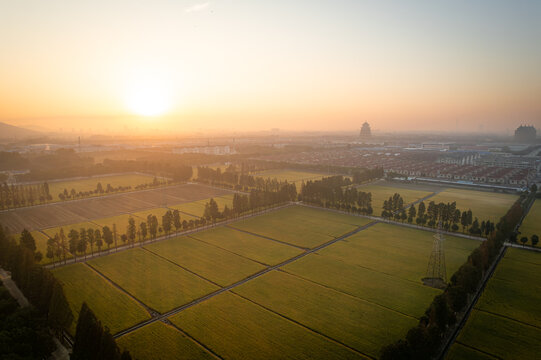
13 289
249 278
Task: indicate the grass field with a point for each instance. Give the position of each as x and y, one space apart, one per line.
532 223
195 208
115 309
90 184
212 263
235 328
161 341
484 205
398 251
247 245
342 317
301 226
506 322
381 193
156 282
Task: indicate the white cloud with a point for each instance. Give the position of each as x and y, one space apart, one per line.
197 7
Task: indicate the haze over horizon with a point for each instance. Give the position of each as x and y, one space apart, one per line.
245 66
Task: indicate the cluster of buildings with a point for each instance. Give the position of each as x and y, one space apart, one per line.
433 162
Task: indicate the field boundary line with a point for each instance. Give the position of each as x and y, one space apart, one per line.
327 337
267 238
527 247
251 277
348 295
229 251
508 318
192 338
479 350
180 266
147 308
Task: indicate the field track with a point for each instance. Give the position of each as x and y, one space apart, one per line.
232 286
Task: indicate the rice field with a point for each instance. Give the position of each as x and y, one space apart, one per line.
506 321
484 205
247 245
301 226
113 307
210 262
156 282
161 341
236 328
341 317
331 304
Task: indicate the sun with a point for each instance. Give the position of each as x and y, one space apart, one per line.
147 96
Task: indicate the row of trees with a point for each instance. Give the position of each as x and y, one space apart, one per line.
12 196
336 192
93 341
40 287
23 331
424 340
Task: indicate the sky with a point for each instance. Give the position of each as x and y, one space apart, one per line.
234 65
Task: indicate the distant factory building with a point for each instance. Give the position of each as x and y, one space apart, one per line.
365 130
525 134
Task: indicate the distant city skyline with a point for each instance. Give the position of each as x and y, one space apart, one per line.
186 66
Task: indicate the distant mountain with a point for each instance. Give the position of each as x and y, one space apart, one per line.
13 132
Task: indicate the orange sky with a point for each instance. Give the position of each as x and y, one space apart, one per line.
244 65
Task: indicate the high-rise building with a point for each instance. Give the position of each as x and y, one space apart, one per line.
365 130
525 134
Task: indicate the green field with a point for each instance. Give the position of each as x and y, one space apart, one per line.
301 226
215 264
247 245
56 187
484 205
156 282
381 193
115 309
506 322
161 341
220 200
235 328
407 297
196 209
398 251
342 317
532 223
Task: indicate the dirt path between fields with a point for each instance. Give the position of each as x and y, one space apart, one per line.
243 281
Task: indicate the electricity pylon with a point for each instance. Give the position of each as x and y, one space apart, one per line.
436 275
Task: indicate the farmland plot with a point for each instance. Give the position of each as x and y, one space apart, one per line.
236 328
114 308
210 262
156 282
506 322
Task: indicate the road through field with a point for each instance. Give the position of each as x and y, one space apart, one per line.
243 281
